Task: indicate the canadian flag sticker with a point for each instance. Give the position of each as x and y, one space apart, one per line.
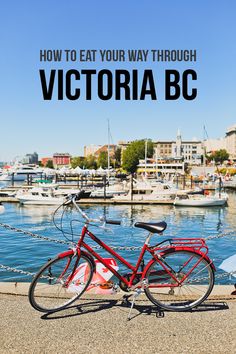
101 276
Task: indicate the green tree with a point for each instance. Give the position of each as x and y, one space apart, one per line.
49 164
77 161
90 162
219 156
117 159
103 159
135 152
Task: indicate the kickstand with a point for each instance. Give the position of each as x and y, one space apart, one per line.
135 295
125 299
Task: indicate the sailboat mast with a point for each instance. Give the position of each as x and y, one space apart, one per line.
108 151
146 158
204 151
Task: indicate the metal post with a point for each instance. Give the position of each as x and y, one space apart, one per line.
220 186
131 186
12 179
104 183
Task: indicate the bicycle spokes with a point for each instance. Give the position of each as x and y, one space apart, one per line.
186 281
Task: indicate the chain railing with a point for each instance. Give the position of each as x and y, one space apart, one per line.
119 248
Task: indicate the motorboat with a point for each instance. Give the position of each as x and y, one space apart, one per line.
21 173
218 199
109 191
49 194
145 191
39 196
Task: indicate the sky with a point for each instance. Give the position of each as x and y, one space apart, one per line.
28 123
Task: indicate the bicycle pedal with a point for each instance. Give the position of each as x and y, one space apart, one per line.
107 285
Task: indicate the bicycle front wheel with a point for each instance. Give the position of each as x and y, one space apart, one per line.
60 282
176 293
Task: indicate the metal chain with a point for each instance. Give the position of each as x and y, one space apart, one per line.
225 234
119 248
44 238
28 233
20 271
15 270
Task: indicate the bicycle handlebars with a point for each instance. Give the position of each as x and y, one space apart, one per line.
72 198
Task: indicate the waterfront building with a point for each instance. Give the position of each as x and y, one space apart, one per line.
91 149
44 160
95 150
32 159
231 142
104 148
212 145
161 167
61 160
189 151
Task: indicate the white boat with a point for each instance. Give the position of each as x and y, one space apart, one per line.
145 191
111 191
21 173
40 196
218 199
48 194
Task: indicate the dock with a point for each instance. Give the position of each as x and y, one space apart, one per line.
102 201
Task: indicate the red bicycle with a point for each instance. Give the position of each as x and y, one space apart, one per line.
177 276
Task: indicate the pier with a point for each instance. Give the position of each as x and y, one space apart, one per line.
102 201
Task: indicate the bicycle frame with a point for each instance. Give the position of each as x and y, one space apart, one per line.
156 253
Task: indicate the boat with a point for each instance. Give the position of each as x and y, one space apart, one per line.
39 196
145 191
218 199
20 173
48 194
110 191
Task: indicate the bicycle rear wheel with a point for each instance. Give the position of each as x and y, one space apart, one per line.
60 282
165 292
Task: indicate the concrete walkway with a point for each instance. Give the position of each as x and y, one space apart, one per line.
100 326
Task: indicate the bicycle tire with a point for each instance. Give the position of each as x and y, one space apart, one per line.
194 289
50 290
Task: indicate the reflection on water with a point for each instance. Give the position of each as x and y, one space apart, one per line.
29 254
37 213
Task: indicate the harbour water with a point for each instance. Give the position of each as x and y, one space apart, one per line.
23 252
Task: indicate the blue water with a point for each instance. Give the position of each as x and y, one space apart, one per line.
29 254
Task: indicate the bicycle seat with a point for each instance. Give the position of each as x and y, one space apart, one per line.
153 227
